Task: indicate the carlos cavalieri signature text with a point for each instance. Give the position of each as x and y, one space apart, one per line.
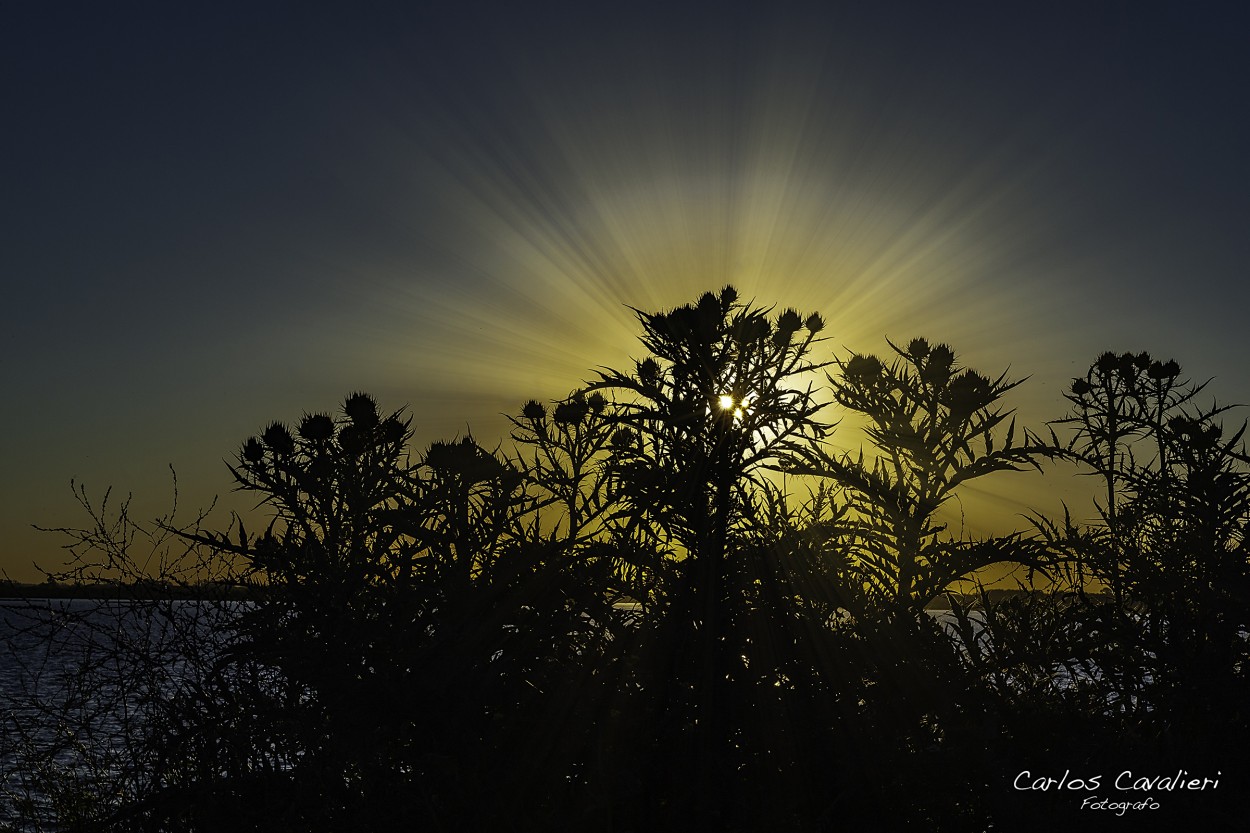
1126 780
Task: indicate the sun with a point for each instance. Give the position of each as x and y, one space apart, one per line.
728 403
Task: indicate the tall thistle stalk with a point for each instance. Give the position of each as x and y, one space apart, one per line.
725 394
1122 400
932 427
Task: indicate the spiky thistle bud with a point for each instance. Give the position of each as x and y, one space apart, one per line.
571 412
789 322
362 410
942 356
393 431
709 307
1107 362
1164 370
316 427
967 392
863 369
278 438
253 451
938 366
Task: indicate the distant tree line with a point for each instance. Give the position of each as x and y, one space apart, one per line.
672 604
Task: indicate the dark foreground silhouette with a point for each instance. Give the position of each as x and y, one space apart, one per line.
672 606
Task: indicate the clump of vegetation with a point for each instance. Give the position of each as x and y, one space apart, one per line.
630 620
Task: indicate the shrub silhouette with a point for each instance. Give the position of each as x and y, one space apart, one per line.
1172 540
627 622
933 426
721 397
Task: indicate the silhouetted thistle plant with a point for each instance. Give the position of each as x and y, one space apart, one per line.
362 410
316 427
1123 398
933 426
788 323
416 623
725 395
566 459
535 412
404 611
278 439
470 502
722 397
253 452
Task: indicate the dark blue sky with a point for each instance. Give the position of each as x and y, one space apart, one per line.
219 216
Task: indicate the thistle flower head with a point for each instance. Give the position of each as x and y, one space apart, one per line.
967 392
534 411
278 438
1107 362
942 356
438 455
709 306
1163 370
937 366
571 412
682 322
393 431
362 410
789 322
863 369
466 461
316 427
253 451
1126 366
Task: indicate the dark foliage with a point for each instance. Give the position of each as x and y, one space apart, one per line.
633 622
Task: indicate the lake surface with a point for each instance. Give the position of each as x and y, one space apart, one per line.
132 650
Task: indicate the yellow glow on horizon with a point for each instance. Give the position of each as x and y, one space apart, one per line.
795 197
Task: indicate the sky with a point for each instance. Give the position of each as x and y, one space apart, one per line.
219 215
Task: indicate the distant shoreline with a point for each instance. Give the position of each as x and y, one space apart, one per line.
151 591
139 591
